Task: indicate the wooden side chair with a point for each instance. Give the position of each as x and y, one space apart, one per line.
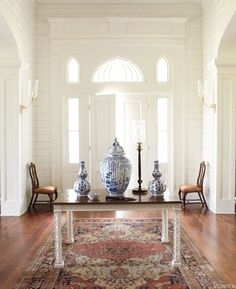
51 191
186 189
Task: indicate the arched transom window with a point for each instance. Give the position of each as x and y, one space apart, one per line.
162 70
72 70
118 69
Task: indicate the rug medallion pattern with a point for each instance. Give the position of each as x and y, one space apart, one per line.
119 254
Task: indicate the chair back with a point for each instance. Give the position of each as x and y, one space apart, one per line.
33 176
201 174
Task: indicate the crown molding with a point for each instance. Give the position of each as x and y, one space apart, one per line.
129 10
117 27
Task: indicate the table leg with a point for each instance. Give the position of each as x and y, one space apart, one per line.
176 242
59 263
165 238
69 225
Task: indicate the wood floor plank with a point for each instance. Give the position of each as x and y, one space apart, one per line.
21 237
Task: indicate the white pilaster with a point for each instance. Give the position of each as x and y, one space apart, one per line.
225 155
11 182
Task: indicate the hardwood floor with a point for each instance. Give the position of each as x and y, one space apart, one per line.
21 237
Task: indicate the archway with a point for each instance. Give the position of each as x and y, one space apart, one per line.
226 128
9 120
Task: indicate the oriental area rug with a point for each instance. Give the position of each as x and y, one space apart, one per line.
120 254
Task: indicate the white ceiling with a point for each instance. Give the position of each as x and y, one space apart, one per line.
119 1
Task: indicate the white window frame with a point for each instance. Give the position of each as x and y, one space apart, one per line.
106 67
167 68
75 130
166 166
68 72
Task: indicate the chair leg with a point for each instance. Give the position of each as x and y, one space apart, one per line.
180 195
184 199
204 200
51 200
31 201
200 197
56 194
36 196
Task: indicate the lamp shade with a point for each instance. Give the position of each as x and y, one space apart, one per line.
139 131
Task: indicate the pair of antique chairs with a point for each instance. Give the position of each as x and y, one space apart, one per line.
51 191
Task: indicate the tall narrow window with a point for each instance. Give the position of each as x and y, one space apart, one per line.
162 70
118 69
73 130
162 129
72 71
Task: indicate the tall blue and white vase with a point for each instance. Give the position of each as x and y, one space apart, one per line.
81 186
116 170
157 186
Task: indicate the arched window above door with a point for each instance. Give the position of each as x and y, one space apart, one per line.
119 70
72 70
162 70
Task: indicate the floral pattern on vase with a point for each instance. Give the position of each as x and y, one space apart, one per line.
116 170
157 186
81 186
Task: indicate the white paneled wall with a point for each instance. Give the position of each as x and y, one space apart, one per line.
192 105
186 106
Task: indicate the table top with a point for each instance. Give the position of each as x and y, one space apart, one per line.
69 197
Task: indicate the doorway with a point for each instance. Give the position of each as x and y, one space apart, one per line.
113 116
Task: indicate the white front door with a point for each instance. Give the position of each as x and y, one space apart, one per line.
153 110
113 116
132 108
102 132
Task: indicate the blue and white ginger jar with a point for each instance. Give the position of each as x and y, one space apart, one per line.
81 185
157 186
116 170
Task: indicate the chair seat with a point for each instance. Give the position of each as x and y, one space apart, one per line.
45 190
188 188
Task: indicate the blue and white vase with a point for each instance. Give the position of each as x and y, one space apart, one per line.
116 170
82 186
157 186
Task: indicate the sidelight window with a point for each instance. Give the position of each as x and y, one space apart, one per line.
73 130
162 129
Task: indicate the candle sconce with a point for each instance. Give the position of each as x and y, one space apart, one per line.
139 136
32 93
203 92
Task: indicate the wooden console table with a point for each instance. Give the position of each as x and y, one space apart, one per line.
69 202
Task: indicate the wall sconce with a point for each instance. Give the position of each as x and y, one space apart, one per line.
32 93
203 92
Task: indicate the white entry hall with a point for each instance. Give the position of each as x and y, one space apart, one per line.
50 36
75 74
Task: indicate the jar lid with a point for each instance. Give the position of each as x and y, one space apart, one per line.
115 149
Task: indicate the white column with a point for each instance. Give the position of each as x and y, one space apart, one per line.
12 202
223 194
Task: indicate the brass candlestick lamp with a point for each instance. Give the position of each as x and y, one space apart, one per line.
139 134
